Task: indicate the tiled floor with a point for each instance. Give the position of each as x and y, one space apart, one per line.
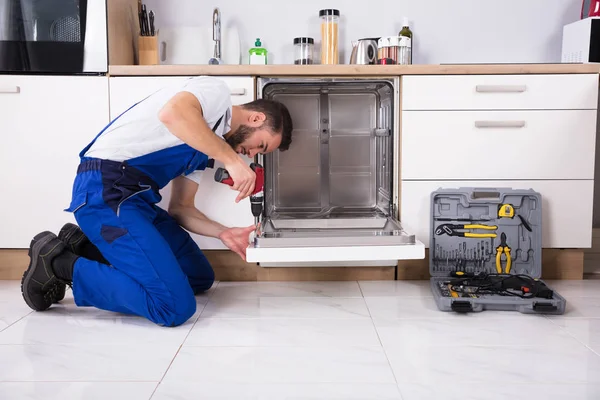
303 340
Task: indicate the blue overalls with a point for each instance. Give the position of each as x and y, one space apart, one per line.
156 267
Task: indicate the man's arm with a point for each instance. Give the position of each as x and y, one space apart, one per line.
183 117
183 209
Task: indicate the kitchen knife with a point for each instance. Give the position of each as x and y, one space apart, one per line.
141 18
145 18
152 31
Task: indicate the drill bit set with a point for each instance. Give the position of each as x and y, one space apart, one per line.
487 236
471 259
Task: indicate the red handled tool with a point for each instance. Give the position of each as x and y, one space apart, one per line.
257 196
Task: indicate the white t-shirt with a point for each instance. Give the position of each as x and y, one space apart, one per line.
139 131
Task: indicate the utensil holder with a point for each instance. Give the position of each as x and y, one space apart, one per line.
148 50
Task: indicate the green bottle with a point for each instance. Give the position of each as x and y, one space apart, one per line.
258 54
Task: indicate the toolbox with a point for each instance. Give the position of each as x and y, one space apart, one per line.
485 251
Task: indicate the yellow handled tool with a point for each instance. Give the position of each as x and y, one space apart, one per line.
503 248
451 230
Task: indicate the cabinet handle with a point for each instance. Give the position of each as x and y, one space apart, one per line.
499 124
500 88
238 92
10 90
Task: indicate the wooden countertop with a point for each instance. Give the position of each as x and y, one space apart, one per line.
346 70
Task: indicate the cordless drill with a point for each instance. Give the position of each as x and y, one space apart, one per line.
257 196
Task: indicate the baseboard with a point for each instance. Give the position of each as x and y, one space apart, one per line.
557 264
228 266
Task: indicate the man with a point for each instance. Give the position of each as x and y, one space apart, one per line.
131 256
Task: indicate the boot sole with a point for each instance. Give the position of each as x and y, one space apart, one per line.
36 245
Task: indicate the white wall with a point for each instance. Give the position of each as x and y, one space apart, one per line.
446 31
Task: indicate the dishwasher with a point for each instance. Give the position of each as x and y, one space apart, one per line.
332 198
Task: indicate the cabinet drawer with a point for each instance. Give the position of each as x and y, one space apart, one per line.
498 144
500 92
125 91
567 208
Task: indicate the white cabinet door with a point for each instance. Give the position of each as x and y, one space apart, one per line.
521 144
567 207
215 200
500 92
42 136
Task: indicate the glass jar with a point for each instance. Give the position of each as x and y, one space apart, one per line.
303 50
329 36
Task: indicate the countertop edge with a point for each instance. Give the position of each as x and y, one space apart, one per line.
350 70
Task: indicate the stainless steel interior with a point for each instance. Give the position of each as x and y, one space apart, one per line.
334 186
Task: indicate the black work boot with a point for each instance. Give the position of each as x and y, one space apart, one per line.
76 241
40 282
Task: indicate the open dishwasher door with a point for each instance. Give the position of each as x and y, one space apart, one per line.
332 197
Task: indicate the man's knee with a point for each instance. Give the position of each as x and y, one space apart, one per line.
175 312
184 310
201 285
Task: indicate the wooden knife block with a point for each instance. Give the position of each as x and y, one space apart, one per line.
148 50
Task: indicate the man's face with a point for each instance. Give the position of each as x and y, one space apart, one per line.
250 141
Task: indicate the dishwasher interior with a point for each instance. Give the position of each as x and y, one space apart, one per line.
335 185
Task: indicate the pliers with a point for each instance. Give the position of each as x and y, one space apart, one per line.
451 230
503 248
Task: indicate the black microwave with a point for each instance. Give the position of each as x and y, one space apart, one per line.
53 36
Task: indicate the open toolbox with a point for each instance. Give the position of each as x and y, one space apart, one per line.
485 251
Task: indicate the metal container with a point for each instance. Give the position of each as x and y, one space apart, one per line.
364 51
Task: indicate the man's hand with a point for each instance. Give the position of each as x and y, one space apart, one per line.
243 177
236 239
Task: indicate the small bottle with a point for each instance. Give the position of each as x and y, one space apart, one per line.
405 51
258 54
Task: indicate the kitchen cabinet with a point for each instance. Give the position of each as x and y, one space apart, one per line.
215 200
520 144
502 131
42 136
500 92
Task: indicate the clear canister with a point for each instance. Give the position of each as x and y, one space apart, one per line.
330 19
303 50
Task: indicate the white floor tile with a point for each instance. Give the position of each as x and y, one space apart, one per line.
568 363
281 365
286 307
53 328
76 390
207 391
84 363
12 305
586 331
499 391
238 290
282 332
395 288
472 331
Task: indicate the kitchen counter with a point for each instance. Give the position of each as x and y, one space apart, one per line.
347 70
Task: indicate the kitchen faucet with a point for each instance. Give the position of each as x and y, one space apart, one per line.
216 59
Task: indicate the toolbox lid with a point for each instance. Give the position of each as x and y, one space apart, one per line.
469 226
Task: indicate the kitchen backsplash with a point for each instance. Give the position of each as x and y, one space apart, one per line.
445 31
